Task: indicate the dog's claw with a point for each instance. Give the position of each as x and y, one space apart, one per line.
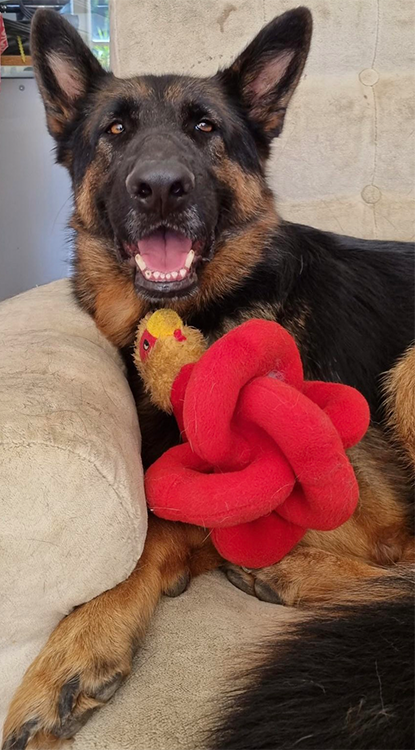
73 724
241 579
20 738
266 593
251 582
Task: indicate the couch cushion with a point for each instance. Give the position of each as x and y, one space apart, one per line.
73 514
194 648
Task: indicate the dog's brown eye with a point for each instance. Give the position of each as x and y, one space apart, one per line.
116 128
205 126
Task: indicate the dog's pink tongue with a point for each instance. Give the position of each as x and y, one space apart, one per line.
165 250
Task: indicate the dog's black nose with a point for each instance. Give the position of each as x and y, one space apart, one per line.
162 187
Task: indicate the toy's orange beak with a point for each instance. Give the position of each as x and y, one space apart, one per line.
161 324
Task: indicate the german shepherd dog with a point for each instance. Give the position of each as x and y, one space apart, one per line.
172 209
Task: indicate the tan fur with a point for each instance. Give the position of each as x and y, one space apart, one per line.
174 93
106 290
232 263
400 401
377 531
115 314
85 205
309 577
253 196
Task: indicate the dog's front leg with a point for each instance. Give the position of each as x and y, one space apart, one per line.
89 654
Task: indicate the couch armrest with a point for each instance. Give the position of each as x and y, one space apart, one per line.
72 507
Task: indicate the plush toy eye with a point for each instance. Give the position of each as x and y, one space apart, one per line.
205 126
147 342
116 128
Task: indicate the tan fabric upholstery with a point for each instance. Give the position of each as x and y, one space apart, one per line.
72 508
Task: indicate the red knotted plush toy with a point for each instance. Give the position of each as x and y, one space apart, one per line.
263 455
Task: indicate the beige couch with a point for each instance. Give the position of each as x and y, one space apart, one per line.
72 508
343 163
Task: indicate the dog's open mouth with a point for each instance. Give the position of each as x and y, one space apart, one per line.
166 262
165 255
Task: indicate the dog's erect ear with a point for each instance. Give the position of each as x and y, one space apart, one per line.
64 66
264 77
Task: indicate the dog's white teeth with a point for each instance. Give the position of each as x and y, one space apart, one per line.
190 258
171 275
140 262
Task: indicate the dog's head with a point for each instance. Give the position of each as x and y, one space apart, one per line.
168 171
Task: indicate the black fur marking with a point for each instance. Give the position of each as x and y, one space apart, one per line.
342 681
67 697
359 298
19 741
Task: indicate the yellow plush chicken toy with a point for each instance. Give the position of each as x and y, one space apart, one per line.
163 346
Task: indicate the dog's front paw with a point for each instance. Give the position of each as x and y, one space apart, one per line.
77 672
